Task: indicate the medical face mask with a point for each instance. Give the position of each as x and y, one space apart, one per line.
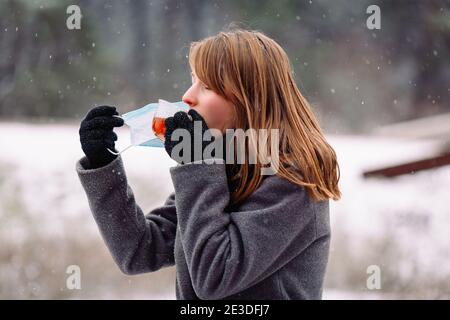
146 122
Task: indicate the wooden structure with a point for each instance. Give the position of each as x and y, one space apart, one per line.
435 127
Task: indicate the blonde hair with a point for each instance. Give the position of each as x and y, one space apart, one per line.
253 72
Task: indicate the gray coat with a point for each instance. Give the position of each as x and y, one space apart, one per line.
273 246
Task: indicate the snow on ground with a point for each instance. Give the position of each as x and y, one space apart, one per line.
414 207
43 159
39 162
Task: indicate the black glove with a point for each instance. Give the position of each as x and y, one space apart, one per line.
181 120
96 134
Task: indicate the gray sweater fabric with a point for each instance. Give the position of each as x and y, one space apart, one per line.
274 246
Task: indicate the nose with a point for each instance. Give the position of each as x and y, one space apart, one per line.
189 97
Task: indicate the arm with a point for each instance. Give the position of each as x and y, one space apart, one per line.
228 252
138 243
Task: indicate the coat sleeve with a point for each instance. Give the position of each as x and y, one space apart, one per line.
228 252
138 243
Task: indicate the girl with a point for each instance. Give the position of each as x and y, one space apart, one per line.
231 232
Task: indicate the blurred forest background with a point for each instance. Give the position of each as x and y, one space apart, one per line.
130 53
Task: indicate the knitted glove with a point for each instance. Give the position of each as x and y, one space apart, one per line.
181 120
96 135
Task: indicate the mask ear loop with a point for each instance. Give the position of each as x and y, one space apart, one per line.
117 153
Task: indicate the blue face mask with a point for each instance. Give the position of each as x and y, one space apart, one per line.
140 123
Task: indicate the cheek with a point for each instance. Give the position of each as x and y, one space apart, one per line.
221 115
217 112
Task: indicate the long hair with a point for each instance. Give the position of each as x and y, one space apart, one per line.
253 72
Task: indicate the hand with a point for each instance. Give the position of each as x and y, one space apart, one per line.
96 135
181 120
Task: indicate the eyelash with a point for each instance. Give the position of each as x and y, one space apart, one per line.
203 85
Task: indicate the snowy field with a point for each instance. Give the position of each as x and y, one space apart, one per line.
400 225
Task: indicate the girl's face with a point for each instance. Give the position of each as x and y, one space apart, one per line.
216 110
